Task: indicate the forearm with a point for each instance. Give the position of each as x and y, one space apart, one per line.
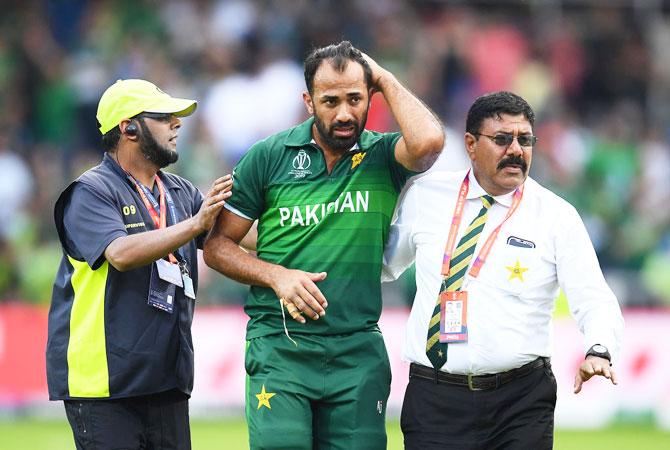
225 256
600 321
136 250
422 131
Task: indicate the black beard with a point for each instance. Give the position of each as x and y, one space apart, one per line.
513 161
335 143
153 151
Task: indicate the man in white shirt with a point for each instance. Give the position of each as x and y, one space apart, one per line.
492 247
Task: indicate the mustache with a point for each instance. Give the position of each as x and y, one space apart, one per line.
344 124
513 161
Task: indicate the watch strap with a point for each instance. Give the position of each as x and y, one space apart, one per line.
593 351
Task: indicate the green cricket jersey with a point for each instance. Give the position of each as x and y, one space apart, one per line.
314 221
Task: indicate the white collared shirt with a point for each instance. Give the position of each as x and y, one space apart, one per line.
509 314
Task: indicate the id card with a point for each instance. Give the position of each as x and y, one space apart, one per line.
161 292
453 316
188 286
169 272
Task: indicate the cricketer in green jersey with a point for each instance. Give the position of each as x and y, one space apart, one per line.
323 193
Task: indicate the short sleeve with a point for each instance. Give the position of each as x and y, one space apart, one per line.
91 222
249 182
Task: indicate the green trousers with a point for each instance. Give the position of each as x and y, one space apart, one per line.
326 392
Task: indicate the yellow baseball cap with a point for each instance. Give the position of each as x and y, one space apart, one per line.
127 98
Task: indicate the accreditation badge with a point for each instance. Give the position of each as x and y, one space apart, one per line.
188 286
169 272
453 316
161 292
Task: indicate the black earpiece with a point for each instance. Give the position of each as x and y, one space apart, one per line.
131 129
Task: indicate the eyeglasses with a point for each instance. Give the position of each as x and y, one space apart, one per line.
161 117
505 139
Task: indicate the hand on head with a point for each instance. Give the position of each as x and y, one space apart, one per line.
377 73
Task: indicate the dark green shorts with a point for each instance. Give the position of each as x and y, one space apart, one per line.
328 392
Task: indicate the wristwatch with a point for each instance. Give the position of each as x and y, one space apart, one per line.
600 351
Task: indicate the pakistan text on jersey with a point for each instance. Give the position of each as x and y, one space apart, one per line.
306 215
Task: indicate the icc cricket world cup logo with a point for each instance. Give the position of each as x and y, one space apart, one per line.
301 163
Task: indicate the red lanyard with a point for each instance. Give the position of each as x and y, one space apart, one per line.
456 221
160 220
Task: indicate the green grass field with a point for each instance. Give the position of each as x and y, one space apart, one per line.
232 435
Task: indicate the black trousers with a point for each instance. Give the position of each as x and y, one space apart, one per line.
516 415
149 422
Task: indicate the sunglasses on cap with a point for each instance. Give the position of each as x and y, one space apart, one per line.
505 139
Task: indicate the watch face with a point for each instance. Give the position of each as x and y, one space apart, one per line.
599 348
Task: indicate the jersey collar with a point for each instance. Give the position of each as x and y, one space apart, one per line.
354 148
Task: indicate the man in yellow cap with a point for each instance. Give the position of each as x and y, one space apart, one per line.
120 352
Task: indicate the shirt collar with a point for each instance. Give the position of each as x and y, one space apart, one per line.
301 136
477 191
111 164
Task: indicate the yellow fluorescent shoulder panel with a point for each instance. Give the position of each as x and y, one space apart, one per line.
86 353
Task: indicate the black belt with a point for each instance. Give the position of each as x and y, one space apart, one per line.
477 382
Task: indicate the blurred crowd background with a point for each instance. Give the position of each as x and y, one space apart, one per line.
596 72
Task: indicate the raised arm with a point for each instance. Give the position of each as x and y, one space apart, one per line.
422 132
296 288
